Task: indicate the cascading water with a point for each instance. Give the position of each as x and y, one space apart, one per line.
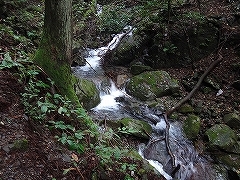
191 165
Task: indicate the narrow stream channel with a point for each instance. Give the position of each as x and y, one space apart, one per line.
192 165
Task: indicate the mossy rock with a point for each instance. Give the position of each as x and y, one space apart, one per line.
152 84
136 127
191 126
115 125
221 136
232 120
186 108
231 160
87 93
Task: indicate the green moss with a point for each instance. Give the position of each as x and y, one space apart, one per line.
152 84
232 160
221 136
191 126
136 127
88 93
59 72
21 144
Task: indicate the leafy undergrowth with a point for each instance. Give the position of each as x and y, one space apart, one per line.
44 136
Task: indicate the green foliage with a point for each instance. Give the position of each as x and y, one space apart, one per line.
170 48
39 104
114 18
191 15
128 130
8 62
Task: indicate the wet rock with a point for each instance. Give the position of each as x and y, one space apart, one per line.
87 93
221 136
115 125
232 120
121 80
78 57
151 85
191 126
136 128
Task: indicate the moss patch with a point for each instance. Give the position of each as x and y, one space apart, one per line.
60 73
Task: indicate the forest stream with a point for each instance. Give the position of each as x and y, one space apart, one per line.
189 163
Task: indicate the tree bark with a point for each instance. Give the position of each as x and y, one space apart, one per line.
57 29
55 49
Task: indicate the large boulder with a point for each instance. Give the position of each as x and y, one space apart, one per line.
221 136
136 128
87 93
151 85
191 126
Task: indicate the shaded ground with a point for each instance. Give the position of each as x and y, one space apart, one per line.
29 151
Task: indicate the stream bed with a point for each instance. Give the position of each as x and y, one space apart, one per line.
190 164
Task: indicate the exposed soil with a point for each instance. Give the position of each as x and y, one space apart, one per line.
39 156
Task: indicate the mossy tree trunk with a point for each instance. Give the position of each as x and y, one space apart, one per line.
55 50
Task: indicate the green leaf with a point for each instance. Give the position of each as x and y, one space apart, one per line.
62 110
65 171
44 108
60 125
79 135
63 139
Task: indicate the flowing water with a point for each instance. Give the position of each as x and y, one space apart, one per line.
191 165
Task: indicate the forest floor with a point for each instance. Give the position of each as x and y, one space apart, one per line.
41 157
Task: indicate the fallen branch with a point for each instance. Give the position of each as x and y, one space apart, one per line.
210 68
169 112
167 140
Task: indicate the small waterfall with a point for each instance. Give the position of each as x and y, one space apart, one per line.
192 165
108 101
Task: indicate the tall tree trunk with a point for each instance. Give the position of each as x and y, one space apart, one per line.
55 50
58 29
